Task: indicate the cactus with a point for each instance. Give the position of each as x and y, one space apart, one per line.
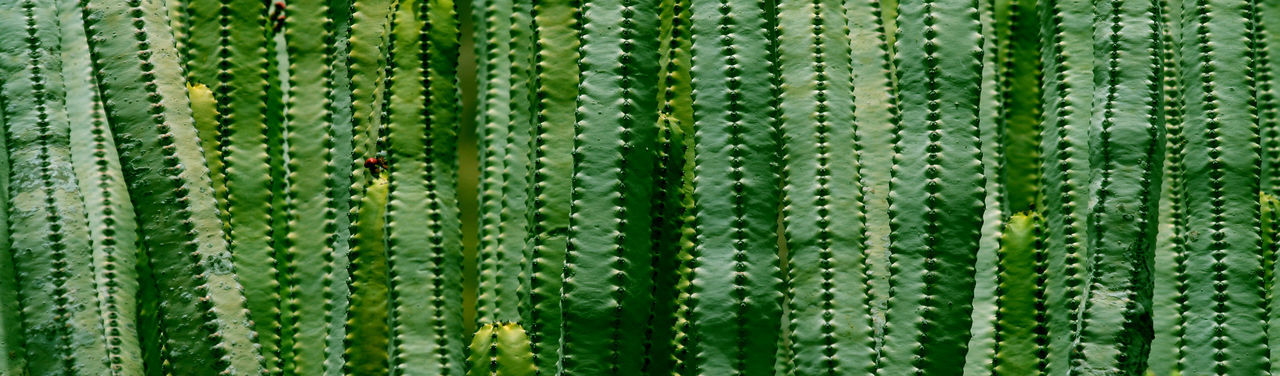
735 281
936 192
822 202
665 187
501 349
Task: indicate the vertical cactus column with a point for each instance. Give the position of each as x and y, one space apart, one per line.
1171 245
671 179
607 285
12 354
1067 90
1020 317
501 349
134 57
557 45
423 230
936 194
1017 40
830 324
50 240
226 50
309 303
874 115
1127 159
499 255
367 330
112 224
1223 308
735 281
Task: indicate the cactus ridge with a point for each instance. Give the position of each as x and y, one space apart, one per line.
607 278
940 237
1116 327
1228 230
492 125
556 72
1067 89
112 224
157 141
736 277
63 329
823 218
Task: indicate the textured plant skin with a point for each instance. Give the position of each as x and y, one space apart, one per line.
735 281
12 354
829 319
112 223
1171 258
1020 316
367 331
1126 158
501 349
557 76
232 63
1068 106
1269 217
134 57
499 255
1222 158
309 262
874 115
936 192
608 281
671 178
424 255
1017 40
50 245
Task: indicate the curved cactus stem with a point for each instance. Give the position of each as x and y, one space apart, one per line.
735 281
822 213
50 240
367 331
557 77
937 190
204 111
1221 160
134 57
501 349
112 224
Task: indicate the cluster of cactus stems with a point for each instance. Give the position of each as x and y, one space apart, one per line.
659 187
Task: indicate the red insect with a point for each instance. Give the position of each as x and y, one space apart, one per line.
375 165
